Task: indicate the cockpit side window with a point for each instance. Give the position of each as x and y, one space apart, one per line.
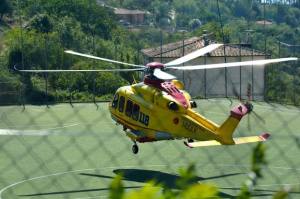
121 104
129 106
115 101
136 111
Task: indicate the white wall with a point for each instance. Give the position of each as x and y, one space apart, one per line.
215 84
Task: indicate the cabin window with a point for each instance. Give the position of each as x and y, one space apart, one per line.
128 110
121 104
115 101
136 111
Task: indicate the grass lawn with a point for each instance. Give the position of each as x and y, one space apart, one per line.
74 152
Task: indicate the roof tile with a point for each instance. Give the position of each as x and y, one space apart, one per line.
123 11
175 50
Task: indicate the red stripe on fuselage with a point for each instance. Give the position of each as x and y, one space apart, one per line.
170 88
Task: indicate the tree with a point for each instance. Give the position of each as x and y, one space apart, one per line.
5 8
291 20
195 23
186 11
40 22
242 8
162 11
281 12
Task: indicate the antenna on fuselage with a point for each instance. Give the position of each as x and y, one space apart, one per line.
248 36
134 80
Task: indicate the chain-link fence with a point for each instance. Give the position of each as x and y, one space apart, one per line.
64 151
52 147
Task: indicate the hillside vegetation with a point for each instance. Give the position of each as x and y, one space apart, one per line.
53 26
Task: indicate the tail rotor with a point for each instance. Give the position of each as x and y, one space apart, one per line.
248 105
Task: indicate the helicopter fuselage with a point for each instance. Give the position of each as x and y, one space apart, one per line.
158 110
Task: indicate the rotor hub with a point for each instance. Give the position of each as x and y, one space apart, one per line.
249 107
154 65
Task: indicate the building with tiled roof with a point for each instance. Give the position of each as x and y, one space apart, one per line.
176 49
212 82
265 24
131 16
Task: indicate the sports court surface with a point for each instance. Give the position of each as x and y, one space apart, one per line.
74 152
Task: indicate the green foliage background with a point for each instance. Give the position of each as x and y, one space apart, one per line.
53 26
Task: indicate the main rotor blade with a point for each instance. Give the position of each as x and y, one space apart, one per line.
232 64
248 92
249 128
59 71
193 55
163 75
260 118
103 59
238 96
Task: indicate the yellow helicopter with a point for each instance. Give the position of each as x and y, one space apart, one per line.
160 109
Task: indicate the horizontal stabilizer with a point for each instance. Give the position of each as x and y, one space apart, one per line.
241 140
203 143
244 140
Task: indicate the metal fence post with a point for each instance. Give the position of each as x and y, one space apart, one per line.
252 78
46 74
279 55
70 88
93 34
22 46
115 42
205 83
161 43
240 56
295 70
138 58
266 69
223 37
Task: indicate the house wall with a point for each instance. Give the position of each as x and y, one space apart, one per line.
214 82
126 18
134 18
140 18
